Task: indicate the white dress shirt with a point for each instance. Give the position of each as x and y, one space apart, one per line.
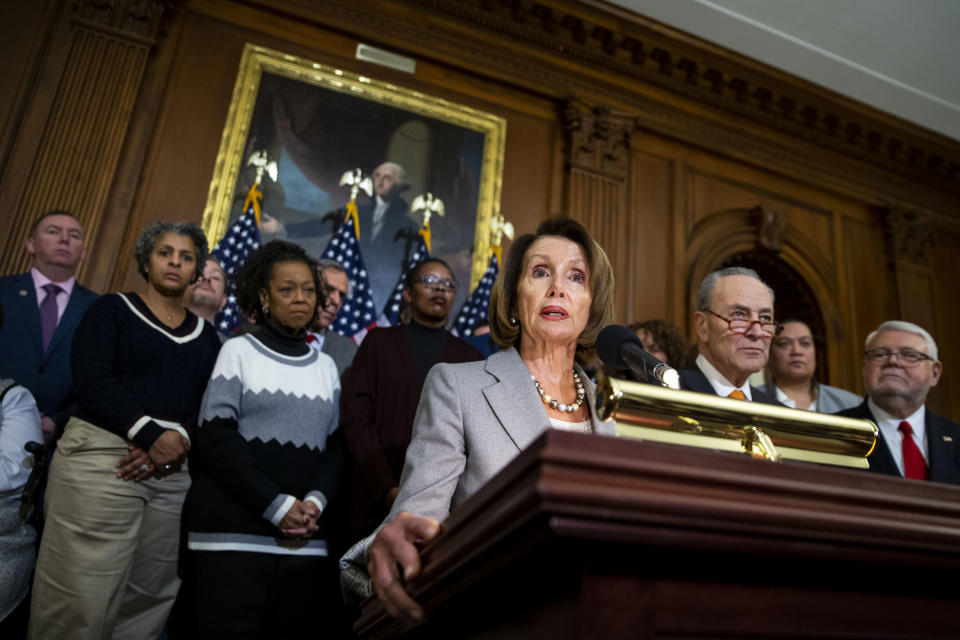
63 298
890 430
720 384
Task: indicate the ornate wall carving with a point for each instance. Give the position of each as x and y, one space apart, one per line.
911 235
597 138
771 225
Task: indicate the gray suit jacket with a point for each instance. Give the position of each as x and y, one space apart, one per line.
473 419
341 350
829 399
489 408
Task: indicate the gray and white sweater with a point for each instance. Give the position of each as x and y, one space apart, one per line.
265 439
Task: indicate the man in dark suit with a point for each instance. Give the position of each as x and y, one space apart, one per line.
381 220
336 285
42 308
900 366
734 323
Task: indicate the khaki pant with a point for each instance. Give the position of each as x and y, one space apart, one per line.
108 558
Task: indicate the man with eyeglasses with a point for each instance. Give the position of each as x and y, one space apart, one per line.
208 294
900 367
335 287
734 324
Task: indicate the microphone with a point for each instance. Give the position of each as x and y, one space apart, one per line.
620 348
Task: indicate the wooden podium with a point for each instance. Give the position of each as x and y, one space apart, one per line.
599 537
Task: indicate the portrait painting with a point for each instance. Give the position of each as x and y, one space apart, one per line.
317 122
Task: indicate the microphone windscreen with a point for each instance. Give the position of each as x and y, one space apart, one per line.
611 339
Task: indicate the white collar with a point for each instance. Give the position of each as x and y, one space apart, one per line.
720 384
790 402
890 427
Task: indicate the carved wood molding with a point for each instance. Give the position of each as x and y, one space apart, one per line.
597 138
633 48
910 234
137 20
562 48
770 225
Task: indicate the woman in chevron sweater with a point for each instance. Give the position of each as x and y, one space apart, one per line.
266 461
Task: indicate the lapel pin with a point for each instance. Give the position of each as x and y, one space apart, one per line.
23 292
948 438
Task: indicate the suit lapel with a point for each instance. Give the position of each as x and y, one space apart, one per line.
942 449
514 399
881 460
694 380
30 309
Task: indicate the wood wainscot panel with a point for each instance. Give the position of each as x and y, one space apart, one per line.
84 130
597 153
945 261
651 209
871 289
910 235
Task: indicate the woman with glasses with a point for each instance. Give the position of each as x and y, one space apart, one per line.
793 361
381 392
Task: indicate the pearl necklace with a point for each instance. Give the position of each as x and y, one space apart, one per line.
559 406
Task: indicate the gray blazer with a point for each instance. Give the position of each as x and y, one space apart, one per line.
490 409
341 349
829 399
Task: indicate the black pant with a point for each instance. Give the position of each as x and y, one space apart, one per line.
260 596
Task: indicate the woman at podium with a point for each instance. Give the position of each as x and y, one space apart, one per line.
550 301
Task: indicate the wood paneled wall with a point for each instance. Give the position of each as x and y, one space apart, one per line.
671 150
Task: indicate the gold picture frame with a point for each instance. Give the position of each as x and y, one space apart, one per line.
332 102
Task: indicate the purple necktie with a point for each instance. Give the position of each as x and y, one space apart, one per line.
48 313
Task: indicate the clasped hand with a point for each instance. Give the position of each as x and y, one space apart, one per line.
300 521
165 456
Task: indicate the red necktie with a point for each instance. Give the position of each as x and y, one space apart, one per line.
914 466
311 338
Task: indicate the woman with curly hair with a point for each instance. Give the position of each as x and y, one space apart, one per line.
663 341
107 566
266 462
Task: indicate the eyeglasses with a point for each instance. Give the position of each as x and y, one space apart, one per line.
742 325
907 357
436 283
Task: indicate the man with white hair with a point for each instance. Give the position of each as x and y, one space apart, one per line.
900 366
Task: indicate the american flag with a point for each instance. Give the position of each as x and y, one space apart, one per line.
391 311
241 239
358 312
477 306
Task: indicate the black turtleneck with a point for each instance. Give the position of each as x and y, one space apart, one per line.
426 346
280 341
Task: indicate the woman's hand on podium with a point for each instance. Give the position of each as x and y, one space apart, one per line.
395 560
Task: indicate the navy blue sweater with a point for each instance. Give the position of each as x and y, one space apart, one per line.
133 375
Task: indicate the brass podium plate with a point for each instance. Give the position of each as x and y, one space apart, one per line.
649 412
